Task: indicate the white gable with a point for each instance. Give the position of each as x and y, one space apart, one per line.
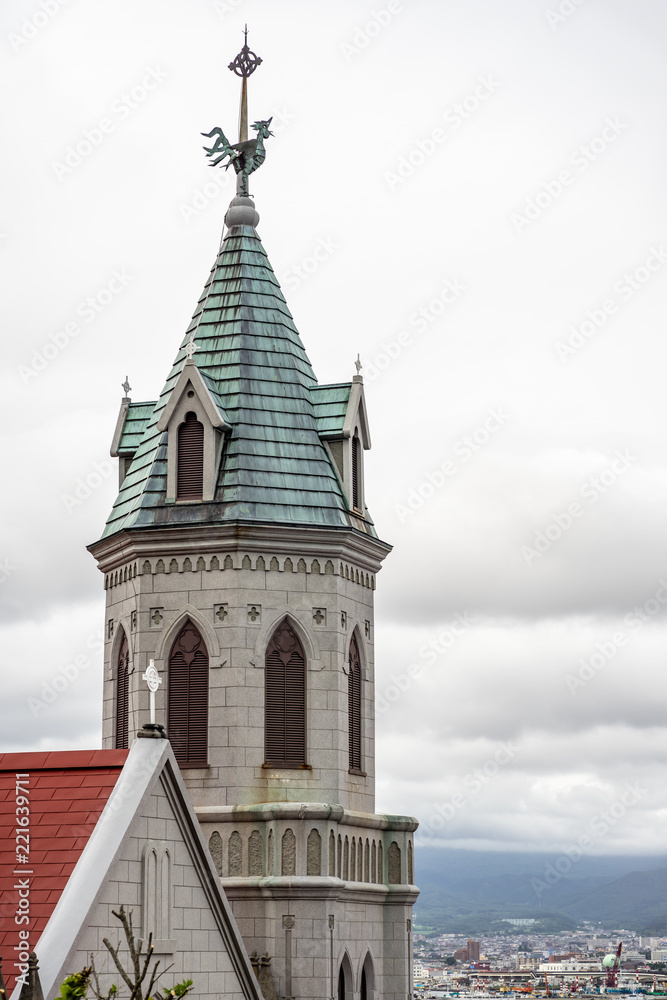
147 852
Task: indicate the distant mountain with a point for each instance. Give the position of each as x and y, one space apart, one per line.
639 897
474 891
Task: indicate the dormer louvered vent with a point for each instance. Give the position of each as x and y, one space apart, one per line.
190 476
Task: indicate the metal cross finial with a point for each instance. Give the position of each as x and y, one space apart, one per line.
246 61
244 66
153 680
126 386
358 365
191 347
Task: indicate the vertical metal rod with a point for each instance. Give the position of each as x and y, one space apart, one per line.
243 111
331 951
288 924
408 927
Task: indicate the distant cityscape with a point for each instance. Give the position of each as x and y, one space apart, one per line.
454 959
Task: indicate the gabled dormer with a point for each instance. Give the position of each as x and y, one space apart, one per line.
342 421
253 376
132 422
195 422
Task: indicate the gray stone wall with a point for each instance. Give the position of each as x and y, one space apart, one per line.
362 885
329 925
236 600
194 945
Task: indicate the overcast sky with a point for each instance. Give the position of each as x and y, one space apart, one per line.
470 194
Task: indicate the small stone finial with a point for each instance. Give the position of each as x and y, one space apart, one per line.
358 365
126 387
152 731
32 988
262 967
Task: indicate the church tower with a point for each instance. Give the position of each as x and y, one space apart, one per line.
241 559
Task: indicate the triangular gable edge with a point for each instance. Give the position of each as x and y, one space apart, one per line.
118 432
192 374
356 414
150 761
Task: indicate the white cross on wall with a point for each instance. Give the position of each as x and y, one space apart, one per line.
153 680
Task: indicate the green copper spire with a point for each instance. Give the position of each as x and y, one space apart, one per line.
276 427
274 466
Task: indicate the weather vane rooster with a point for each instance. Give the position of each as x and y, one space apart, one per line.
247 154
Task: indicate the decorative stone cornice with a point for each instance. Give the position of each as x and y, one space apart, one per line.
221 539
306 811
313 887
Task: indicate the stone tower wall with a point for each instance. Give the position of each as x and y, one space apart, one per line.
236 600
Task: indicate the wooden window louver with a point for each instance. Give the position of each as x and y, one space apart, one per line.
122 702
285 700
356 493
354 706
187 698
190 472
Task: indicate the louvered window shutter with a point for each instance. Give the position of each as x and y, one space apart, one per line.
285 700
187 698
354 706
122 706
355 473
190 459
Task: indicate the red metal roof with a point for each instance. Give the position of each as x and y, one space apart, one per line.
48 824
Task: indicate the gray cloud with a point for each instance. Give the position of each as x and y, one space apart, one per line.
141 202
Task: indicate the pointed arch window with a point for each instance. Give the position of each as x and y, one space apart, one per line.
190 475
122 688
367 988
354 706
187 698
285 700
341 984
